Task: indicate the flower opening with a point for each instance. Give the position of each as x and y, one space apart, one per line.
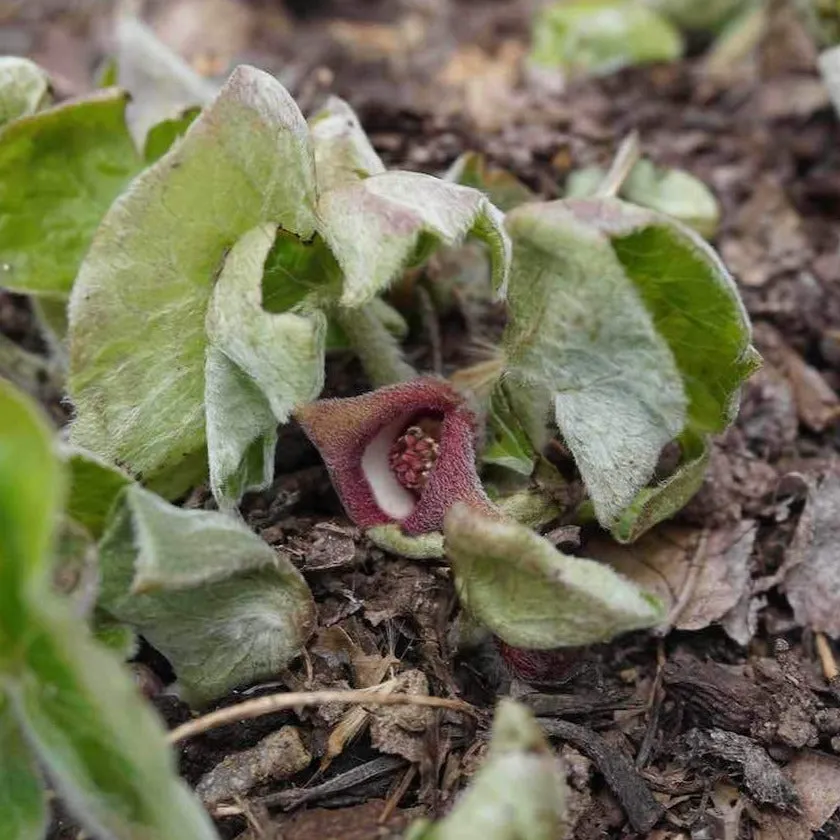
400 454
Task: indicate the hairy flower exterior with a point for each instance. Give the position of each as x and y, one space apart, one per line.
402 454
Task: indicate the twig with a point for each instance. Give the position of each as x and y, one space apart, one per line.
287 799
657 696
686 593
826 655
260 706
397 795
625 159
642 810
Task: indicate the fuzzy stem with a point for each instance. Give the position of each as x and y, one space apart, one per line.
378 350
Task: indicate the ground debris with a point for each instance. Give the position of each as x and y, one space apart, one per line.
642 810
761 776
276 757
359 822
816 779
813 582
771 702
660 562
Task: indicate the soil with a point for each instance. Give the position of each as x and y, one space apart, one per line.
694 734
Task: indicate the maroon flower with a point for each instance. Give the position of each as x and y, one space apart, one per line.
402 454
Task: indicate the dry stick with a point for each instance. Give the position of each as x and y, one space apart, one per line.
397 795
693 575
288 799
260 706
642 810
829 664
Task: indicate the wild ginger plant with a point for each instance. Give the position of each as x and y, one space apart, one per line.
205 281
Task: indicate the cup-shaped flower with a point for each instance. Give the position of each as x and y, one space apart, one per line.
402 455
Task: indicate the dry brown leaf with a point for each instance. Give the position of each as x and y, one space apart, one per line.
400 730
816 778
812 583
661 562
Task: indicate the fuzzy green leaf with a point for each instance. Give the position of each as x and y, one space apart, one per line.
60 169
94 487
633 325
137 314
532 596
602 36
519 792
343 152
23 803
270 363
103 747
24 88
376 226
31 490
205 591
654 504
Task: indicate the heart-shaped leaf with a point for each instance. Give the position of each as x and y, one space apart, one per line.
137 317
530 595
60 169
376 226
632 326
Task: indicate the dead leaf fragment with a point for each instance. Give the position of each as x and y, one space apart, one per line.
816 778
400 730
813 582
661 563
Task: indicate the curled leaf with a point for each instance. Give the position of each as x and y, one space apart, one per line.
196 584
631 329
530 595
376 226
137 316
259 366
